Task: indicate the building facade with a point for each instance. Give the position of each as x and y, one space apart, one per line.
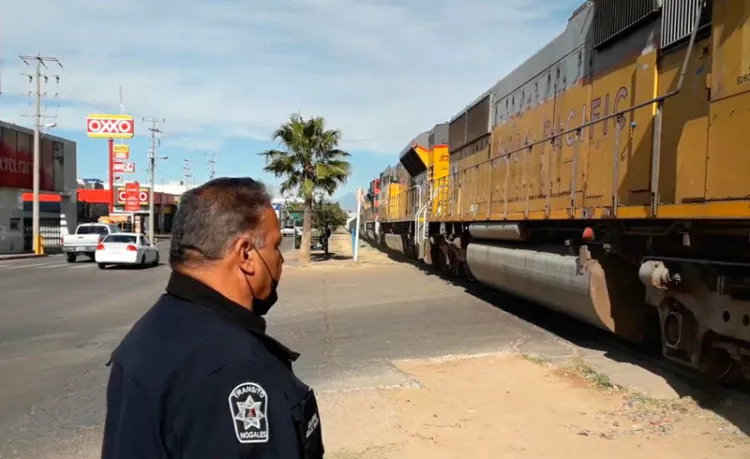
57 177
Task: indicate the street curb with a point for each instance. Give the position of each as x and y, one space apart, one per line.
21 256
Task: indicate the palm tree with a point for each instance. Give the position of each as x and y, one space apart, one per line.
311 161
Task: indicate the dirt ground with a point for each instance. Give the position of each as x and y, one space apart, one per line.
515 407
340 249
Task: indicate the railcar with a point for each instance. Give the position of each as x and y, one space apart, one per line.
404 195
607 177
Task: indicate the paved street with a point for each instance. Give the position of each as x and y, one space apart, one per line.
60 321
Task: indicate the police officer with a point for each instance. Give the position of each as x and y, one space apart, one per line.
197 376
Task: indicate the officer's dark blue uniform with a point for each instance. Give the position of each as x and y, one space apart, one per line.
197 377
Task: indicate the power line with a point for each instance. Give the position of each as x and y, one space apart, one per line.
187 173
37 76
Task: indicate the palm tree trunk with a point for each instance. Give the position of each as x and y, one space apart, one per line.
304 249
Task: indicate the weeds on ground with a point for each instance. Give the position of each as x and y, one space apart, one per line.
579 368
639 413
539 360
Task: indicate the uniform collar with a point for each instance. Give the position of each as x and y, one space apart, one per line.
194 291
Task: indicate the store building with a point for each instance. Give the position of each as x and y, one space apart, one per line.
57 178
93 206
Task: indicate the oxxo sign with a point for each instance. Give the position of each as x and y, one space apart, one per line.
122 194
110 126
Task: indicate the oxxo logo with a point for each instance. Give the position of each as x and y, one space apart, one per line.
110 126
142 196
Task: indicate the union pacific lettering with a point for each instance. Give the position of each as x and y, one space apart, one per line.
600 107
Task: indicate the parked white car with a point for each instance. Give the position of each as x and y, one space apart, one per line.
126 249
287 230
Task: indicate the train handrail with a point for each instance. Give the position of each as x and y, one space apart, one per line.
423 209
406 192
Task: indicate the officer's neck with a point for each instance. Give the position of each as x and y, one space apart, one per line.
223 281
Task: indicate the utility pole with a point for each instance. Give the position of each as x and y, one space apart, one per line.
38 75
151 168
212 163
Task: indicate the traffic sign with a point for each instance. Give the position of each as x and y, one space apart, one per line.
110 126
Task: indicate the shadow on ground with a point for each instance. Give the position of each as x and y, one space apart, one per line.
730 403
330 256
339 249
131 267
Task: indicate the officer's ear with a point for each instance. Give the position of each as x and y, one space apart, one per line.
243 251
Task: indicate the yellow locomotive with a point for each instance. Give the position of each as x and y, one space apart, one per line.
607 178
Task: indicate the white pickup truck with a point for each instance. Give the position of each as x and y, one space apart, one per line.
85 240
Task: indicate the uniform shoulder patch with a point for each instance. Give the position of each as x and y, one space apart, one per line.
248 404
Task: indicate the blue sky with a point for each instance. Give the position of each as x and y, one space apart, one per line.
225 73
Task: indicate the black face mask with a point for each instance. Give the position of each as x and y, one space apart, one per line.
261 306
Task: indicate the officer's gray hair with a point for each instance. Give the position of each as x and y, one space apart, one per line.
210 218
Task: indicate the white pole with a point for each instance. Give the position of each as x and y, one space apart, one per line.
37 158
151 166
356 227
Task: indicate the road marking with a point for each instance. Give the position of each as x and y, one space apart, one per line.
87 265
56 265
37 265
19 262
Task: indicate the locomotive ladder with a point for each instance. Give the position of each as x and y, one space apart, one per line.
421 224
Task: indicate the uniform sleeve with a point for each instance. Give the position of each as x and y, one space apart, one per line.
235 412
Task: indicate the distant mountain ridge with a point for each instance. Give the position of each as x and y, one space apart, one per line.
348 202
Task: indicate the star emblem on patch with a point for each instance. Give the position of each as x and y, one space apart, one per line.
249 413
248 404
